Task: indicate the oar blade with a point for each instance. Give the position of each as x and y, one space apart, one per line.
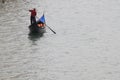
51 29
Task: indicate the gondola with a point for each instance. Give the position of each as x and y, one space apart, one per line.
38 27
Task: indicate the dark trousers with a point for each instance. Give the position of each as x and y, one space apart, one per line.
32 20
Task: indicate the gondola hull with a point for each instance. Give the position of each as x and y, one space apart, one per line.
35 29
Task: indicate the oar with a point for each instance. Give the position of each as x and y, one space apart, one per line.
51 29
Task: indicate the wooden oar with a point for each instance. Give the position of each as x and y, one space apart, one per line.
51 29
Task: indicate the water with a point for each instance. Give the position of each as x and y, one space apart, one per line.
86 46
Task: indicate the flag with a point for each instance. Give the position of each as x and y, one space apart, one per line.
42 19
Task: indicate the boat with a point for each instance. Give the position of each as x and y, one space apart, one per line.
38 27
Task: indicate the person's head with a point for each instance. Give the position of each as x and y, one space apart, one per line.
34 9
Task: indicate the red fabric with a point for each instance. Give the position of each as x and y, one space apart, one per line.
33 12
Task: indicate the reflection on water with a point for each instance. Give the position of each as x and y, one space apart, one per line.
34 37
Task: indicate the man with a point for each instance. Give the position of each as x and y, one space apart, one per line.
33 15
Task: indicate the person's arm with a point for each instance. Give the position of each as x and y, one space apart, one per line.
30 10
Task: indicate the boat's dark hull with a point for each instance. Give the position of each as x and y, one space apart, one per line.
34 29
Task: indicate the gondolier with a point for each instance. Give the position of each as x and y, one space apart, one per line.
33 15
